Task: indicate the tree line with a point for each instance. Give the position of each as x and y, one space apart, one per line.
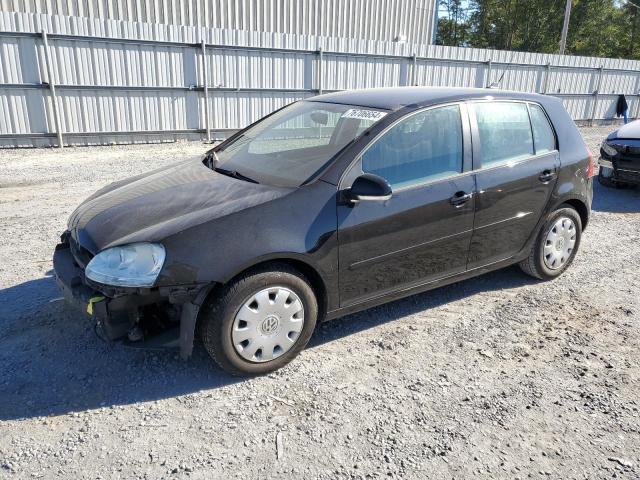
598 28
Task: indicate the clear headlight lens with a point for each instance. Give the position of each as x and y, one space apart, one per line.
608 149
133 265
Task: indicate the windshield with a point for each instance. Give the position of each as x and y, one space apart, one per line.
289 147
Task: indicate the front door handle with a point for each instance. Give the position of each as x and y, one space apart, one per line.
460 198
547 176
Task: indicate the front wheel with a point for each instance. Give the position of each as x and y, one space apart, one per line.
261 321
556 245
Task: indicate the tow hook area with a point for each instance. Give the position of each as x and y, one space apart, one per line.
135 333
155 318
148 322
159 325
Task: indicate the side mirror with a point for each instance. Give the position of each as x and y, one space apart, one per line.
369 186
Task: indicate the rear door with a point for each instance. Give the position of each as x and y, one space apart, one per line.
516 162
422 233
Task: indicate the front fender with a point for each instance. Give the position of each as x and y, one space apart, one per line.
300 226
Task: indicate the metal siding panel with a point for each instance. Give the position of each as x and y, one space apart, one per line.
379 20
578 81
619 83
89 63
10 61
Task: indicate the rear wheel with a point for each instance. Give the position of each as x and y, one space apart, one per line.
261 321
556 245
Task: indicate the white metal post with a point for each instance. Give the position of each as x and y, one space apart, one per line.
52 88
595 95
414 70
205 81
320 69
637 115
547 75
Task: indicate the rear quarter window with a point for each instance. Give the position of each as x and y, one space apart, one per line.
505 132
543 137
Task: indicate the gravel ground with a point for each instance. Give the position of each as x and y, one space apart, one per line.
496 377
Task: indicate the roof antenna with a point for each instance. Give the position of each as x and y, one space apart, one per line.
497 84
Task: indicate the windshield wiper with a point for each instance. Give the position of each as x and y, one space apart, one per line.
212 162
212 159
234 174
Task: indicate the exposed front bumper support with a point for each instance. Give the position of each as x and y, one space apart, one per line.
618 174
605 163
117 315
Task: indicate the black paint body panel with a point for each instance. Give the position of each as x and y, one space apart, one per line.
213 227
415 236
509 203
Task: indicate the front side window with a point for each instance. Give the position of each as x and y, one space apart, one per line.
425 146
543 137
505 132
289 147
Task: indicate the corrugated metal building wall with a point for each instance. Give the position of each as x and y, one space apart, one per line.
128 82
365 19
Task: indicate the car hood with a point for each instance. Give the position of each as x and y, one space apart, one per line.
152 206
630 130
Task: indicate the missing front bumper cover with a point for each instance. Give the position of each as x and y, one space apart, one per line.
170 312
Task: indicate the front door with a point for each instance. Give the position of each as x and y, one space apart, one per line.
517 165
423 232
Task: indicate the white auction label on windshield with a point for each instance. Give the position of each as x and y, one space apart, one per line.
363 114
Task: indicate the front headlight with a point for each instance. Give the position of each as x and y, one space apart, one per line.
608 149
133 265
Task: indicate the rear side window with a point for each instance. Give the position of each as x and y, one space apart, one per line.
425 146
505 132
543 137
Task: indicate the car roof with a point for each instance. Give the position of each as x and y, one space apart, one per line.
395 98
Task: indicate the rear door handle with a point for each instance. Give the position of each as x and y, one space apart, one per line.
460 198
547 176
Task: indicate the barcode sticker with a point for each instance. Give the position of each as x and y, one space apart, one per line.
363 114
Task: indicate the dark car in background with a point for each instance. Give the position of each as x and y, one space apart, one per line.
620 157
328 206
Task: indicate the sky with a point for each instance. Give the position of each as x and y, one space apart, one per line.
442 11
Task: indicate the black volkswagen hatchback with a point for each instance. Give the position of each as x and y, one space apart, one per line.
328 206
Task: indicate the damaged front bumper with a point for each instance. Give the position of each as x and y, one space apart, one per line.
163 317
626 173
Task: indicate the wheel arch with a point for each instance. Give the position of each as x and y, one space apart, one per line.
579 206
311 273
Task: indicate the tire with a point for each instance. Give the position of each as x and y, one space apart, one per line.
223 317
535 264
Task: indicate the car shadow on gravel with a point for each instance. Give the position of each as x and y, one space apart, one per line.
615 200
53 363
507 278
